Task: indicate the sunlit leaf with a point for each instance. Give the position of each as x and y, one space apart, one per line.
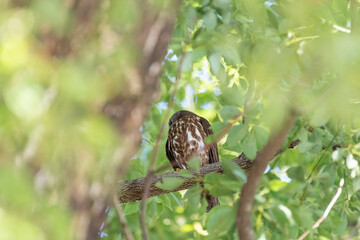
277 185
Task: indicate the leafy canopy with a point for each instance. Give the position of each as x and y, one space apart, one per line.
257 58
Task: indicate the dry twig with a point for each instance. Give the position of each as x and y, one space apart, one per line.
327 210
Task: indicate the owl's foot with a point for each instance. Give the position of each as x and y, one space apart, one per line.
177 169
187 167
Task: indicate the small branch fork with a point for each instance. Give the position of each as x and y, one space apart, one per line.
327 210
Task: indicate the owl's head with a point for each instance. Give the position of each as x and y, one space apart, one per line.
176 116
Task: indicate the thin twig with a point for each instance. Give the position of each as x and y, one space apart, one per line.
122 219
327 210
156 150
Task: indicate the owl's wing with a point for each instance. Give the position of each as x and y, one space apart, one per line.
170 155
213 153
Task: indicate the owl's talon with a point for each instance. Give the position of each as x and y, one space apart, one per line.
187 167
177 169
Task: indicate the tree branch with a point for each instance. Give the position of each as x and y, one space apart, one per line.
271 149
133 190
130 191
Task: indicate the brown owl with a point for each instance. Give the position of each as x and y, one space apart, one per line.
186 139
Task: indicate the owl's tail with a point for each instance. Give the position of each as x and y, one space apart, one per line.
211 200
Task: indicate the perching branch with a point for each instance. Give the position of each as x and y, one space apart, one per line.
327 210
243 219
131 191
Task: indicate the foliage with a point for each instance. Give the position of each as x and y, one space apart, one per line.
258 58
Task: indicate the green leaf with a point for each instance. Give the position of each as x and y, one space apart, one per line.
215 63
304 146
237 134
320 117
296 173
185 173
191 57
280 217
232 96
190 14
261 136
275 185
250 147
153 210
169 183
130 208
341 225
233 170
229 112
303 135
219 185
231 55
166 201
193 195
223 4
302 216
194 163
217 127
220 219
188 62
210 20
253 112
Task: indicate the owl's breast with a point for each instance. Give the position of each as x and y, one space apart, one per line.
187 137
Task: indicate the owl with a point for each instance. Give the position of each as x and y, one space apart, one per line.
186 139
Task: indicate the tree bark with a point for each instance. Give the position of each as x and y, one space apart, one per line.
131 191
